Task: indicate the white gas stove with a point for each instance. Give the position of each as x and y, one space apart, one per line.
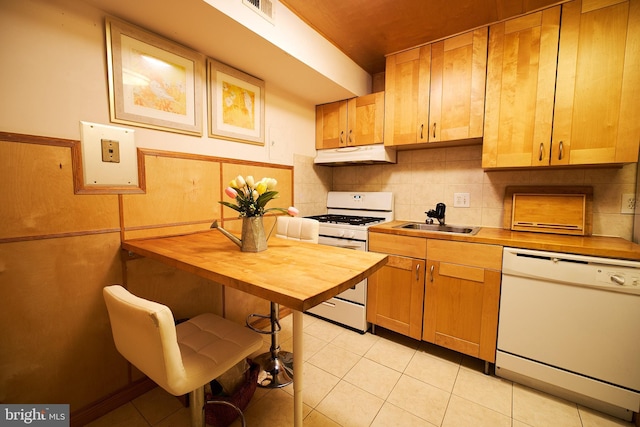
349 215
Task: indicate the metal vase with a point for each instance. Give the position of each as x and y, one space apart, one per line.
253 237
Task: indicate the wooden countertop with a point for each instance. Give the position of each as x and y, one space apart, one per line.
610 247
298 275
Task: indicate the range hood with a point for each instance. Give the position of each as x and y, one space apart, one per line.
363 154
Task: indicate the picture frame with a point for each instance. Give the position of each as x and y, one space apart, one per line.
236 104
153 82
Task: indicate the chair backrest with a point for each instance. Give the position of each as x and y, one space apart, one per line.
145 334
303 229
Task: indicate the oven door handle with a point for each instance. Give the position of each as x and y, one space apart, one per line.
354 247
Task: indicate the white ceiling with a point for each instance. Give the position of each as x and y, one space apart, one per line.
199 26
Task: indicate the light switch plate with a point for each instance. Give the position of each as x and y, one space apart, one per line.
121 165
460 200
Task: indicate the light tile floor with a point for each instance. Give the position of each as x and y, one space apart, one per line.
379 380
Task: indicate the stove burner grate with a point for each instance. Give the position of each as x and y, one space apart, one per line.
347 219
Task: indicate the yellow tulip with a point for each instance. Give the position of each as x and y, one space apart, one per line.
261 187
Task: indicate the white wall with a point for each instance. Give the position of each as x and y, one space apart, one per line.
54 74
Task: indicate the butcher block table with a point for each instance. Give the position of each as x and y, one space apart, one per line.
298 275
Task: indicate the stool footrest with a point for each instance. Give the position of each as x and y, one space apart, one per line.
275 324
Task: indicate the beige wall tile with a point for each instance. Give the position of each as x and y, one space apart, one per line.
424 177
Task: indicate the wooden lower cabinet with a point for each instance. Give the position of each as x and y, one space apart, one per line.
441 291
395 295
462 297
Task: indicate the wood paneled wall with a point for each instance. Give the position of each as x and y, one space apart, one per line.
58 250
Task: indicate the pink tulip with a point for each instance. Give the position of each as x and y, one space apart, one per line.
231 192
293 211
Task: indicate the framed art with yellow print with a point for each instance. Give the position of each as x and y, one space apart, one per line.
153 82
236 104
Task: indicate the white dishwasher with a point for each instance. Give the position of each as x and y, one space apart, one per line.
570 326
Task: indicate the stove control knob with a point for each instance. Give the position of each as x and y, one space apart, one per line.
350 234
341 233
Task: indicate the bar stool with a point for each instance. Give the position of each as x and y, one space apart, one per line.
276 366
181 359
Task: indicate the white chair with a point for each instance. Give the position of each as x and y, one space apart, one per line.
181 359
276 366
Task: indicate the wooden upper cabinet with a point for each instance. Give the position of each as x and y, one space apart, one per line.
435 93
356 121
331 125
567 100
458 75
406 109
598 84
521 74
369 119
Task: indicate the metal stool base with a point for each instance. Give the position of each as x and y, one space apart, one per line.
276 371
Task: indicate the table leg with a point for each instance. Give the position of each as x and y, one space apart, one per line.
297 368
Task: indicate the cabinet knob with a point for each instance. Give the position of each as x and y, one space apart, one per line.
350 135
434 130
422 131
431 273
341 137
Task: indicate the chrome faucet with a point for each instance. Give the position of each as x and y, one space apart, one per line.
438 214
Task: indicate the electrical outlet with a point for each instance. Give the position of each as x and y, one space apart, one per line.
460 200
628 203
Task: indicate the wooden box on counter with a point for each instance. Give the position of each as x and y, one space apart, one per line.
549 209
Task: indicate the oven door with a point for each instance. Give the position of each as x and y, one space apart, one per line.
357 293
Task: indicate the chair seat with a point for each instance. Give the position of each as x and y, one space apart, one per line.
209 343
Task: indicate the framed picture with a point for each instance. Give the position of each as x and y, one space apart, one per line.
153 82
236 104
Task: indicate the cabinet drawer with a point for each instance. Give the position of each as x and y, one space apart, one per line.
414 247
471 254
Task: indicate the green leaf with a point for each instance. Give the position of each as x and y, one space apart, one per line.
266 197
230 205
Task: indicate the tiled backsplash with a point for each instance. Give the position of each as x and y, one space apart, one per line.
422 178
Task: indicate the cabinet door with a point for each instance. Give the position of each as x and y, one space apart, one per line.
368 120
406 115
462 295
521 74
331 125
598 84
461 308
458 75
395 294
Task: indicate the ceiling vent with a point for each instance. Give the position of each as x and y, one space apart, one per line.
264 8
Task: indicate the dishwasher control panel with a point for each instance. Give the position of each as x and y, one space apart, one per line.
578 270
618 277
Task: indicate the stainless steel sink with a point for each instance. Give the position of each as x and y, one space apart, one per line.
457 229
